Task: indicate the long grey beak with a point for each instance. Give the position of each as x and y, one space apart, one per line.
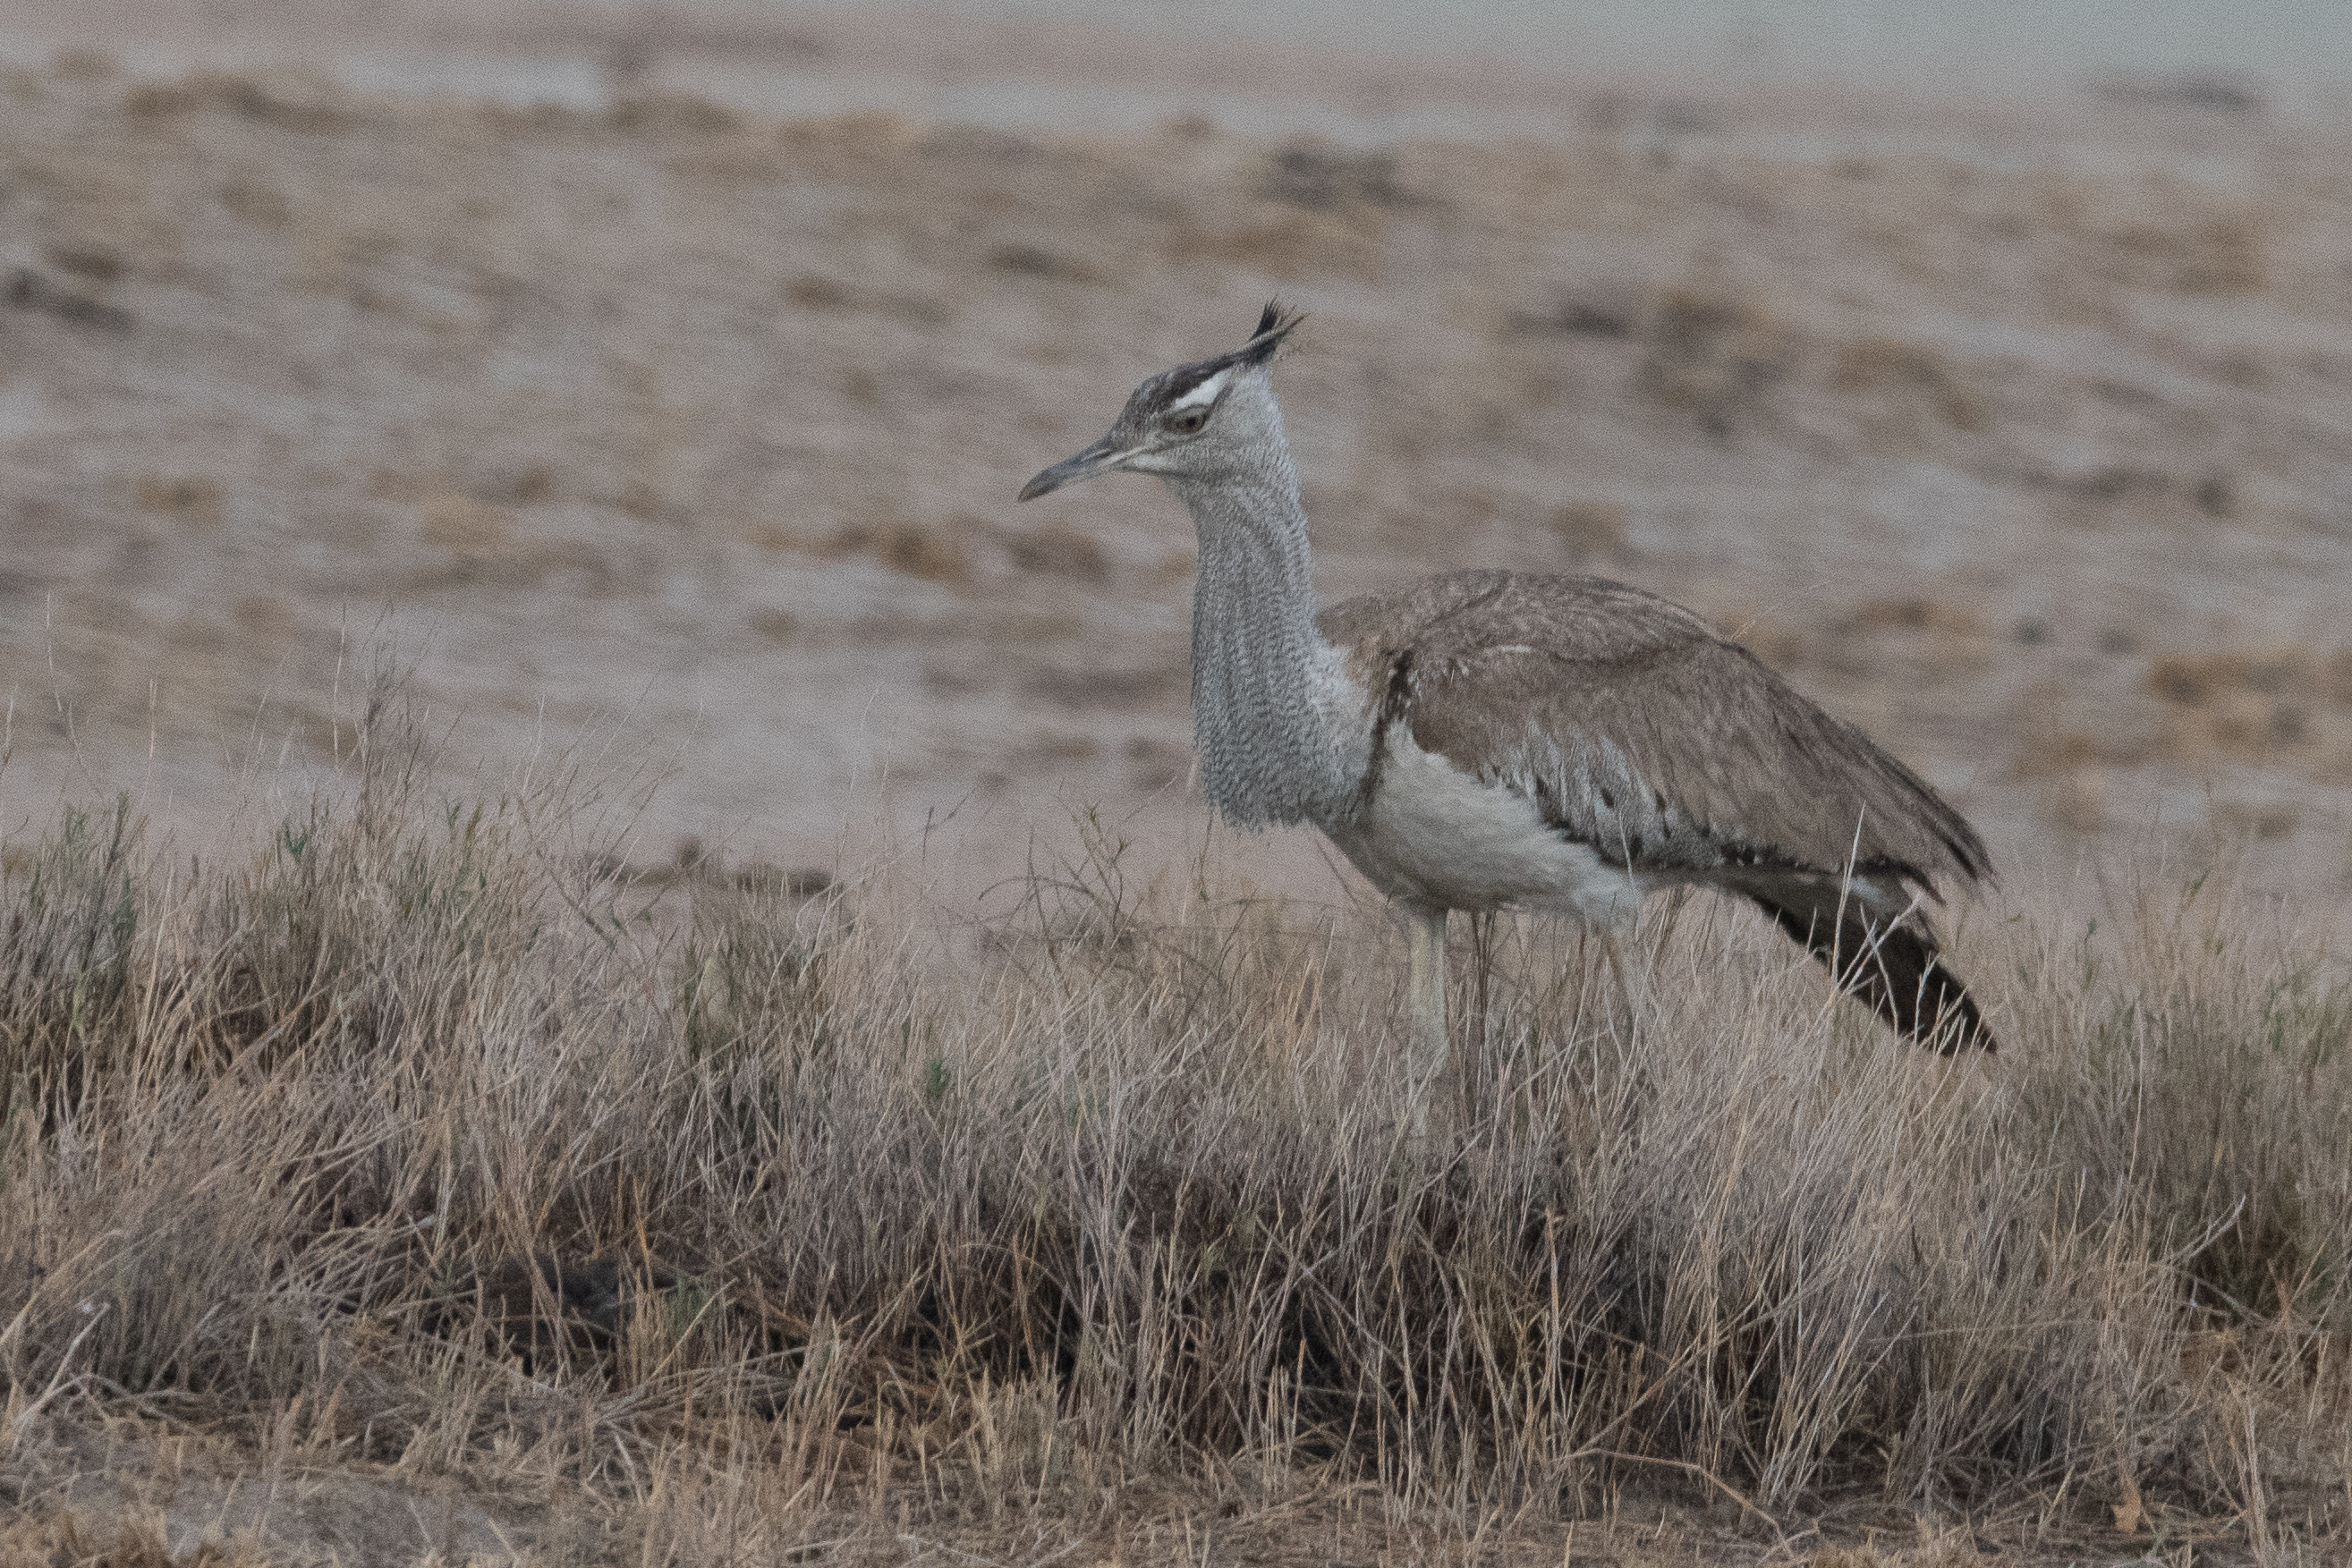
1100 458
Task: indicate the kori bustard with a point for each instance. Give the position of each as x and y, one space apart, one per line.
1484 740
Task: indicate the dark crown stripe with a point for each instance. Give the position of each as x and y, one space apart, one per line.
1273 325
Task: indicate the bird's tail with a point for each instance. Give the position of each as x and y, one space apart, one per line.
1893 965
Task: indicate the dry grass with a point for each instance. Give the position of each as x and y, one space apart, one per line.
428 1148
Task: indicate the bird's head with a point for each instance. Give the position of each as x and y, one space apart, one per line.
1195 422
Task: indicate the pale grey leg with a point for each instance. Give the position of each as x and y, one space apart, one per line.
1425 998
1633 987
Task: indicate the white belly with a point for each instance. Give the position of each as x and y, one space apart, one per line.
1433 834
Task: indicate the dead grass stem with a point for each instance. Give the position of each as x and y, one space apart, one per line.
425 1144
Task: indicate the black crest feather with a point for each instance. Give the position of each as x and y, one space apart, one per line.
1273 324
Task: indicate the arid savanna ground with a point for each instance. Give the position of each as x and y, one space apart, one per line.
608 952
2019 432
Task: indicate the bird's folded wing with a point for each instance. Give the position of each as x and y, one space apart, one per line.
1638 731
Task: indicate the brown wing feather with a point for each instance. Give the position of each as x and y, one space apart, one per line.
1639 731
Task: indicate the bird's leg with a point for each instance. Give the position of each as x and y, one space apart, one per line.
1480 1062
1425 1000
1632 987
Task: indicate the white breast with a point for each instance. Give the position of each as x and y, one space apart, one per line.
1434 834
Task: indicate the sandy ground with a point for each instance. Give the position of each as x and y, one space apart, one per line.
676 433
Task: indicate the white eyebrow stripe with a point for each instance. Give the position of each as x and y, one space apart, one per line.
1205 392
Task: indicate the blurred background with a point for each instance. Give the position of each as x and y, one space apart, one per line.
655 380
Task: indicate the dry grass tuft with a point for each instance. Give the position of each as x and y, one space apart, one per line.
287 105
64 1541
2265 704
1712 355
1894 376
426 1141
2218 255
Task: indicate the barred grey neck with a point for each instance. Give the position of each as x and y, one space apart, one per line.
1282 737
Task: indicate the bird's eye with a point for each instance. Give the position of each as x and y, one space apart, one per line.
1191 420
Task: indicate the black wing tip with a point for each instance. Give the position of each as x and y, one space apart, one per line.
1906 982
1897 971
1274 324
1937 1012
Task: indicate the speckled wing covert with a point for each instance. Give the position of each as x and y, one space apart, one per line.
1638 731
